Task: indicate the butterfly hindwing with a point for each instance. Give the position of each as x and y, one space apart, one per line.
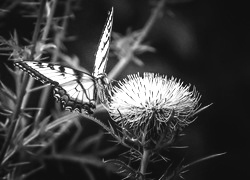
103 48
75 89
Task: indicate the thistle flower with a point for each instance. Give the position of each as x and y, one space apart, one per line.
153 108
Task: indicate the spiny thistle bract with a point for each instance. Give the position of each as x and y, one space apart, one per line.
153 107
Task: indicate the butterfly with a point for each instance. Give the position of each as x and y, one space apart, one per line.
76 90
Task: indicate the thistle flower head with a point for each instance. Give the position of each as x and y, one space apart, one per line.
153 105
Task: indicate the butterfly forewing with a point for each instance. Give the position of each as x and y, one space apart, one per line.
75 89
103 48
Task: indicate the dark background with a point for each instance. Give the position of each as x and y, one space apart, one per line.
205 43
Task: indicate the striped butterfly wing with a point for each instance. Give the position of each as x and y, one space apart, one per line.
75 89
103 85
103 48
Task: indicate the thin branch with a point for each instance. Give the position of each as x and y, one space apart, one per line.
123 62
149 23
9 8
49 21
37 28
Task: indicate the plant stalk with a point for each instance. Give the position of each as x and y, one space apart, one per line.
144 161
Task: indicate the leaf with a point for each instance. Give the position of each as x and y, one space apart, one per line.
81 159
7 99
120 167
108 129
203 159
142 48
93 140
201 109
181 169
7 92
5 112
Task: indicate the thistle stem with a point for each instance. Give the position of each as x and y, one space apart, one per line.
146 151
144 161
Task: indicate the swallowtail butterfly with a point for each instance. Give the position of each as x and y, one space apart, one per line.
77 90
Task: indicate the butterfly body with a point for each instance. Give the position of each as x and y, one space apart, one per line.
76 90
104 87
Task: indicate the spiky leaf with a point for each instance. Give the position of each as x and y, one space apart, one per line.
123 169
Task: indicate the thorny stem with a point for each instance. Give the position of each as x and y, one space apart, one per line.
22 92
146 151
123 62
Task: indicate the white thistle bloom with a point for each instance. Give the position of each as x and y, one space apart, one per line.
153 103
